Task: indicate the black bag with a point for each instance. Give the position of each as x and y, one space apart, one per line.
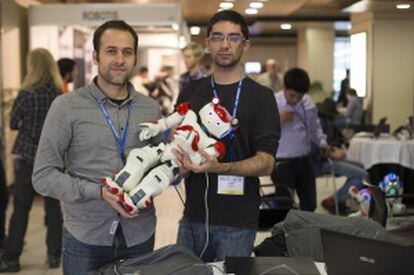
172 259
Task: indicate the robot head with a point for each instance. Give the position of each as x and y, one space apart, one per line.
215 119
391 184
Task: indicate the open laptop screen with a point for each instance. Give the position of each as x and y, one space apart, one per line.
348 254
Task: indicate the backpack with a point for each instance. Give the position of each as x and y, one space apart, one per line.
171 259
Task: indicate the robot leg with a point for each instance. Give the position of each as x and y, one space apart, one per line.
152 185
139 161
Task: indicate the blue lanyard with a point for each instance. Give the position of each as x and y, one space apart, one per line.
235 107
121 142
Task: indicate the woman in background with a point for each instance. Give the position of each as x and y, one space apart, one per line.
40 87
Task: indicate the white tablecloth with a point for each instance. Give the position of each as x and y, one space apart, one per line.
370 151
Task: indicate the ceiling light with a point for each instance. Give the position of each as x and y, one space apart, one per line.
226 5
175 27
403 6
250 11
286 26
256 5
195 30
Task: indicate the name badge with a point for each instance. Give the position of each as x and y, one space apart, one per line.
230 185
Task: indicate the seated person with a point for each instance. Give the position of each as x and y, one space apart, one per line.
354 110
354 173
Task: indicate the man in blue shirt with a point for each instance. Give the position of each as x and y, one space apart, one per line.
299 127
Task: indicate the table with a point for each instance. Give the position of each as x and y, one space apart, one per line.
370 151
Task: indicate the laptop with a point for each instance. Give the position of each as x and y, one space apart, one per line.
348 254
380 128
374 131
269 265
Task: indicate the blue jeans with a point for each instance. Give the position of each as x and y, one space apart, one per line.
224 241
80 258
352 172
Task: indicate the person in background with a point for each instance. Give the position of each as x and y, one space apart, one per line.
4 200
94 128
192 53
271 78
166 90
224 195
67 69
207 63
338 164
354 110
41 86
300 127
141 81
342 99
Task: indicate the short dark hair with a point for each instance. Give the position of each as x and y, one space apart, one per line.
351 91
113 24
297 79
231 16
66 65
143 69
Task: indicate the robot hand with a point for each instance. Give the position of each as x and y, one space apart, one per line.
151 129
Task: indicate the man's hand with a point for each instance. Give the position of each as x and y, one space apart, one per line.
184 162
286 116
337 153
113 200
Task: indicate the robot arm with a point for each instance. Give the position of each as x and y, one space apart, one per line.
151 129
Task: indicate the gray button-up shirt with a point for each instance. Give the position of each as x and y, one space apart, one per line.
77 148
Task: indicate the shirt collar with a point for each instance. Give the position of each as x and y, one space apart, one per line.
101 97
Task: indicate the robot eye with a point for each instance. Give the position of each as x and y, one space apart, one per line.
218 123
210 113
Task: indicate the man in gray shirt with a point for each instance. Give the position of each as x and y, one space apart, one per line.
272 78
93 129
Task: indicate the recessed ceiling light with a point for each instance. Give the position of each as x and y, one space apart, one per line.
195 30
256 5
403 6
226 5
286 26
250 11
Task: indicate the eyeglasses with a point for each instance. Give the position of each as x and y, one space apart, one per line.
234 38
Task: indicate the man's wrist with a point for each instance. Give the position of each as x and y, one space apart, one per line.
217 168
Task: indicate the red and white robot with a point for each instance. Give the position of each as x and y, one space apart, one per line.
363 197
136 190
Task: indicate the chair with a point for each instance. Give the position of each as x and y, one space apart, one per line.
379 212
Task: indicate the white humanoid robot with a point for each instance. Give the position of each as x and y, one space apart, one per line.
393 187
363 197
136 186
